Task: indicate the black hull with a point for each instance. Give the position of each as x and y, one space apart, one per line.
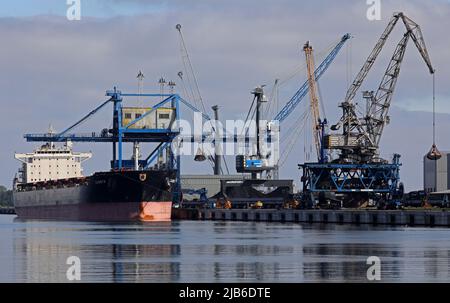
105 196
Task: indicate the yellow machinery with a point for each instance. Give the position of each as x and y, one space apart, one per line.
315 119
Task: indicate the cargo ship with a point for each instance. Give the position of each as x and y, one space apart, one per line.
51 185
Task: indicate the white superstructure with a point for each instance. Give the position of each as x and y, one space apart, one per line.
50 162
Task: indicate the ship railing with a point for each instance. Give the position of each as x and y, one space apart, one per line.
52 184
69 136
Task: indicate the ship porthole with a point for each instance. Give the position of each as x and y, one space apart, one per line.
142 177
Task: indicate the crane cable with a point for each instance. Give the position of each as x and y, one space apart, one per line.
297 130
434 110
292 130
349 68
185 55
180 74
272 96
322 106
302 67
248 115
183 85
280 81
293 127
247 129
292 143
191 69
292 136
321 103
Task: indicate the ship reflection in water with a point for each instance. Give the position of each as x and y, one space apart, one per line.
203 251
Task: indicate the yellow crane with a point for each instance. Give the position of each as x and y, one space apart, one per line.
317 126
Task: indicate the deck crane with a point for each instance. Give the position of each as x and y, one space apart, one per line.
359 174
254 164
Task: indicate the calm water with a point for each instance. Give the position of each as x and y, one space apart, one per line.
197 251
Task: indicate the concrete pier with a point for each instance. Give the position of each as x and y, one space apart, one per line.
356 216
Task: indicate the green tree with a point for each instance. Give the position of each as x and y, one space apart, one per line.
5 196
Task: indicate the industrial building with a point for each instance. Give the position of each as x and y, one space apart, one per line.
211 183
436 175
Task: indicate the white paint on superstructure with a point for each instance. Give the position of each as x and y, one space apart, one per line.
50 162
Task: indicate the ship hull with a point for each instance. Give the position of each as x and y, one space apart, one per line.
115 211
107 196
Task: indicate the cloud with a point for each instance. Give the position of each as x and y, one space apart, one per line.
54 71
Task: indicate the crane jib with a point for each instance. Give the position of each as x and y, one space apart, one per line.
303 90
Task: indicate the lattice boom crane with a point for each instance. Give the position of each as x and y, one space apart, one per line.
359 142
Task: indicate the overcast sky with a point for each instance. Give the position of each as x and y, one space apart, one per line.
52 71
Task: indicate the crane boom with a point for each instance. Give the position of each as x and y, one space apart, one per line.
416 35
314 100
303 90
379 105
361 135
359 79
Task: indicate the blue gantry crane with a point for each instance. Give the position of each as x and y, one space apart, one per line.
156 124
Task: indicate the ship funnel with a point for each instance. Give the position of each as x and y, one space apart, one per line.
199 156
434 153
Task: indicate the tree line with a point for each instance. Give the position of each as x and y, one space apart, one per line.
5 196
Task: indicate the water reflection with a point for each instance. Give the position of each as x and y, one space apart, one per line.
41 254
189 251
407 261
